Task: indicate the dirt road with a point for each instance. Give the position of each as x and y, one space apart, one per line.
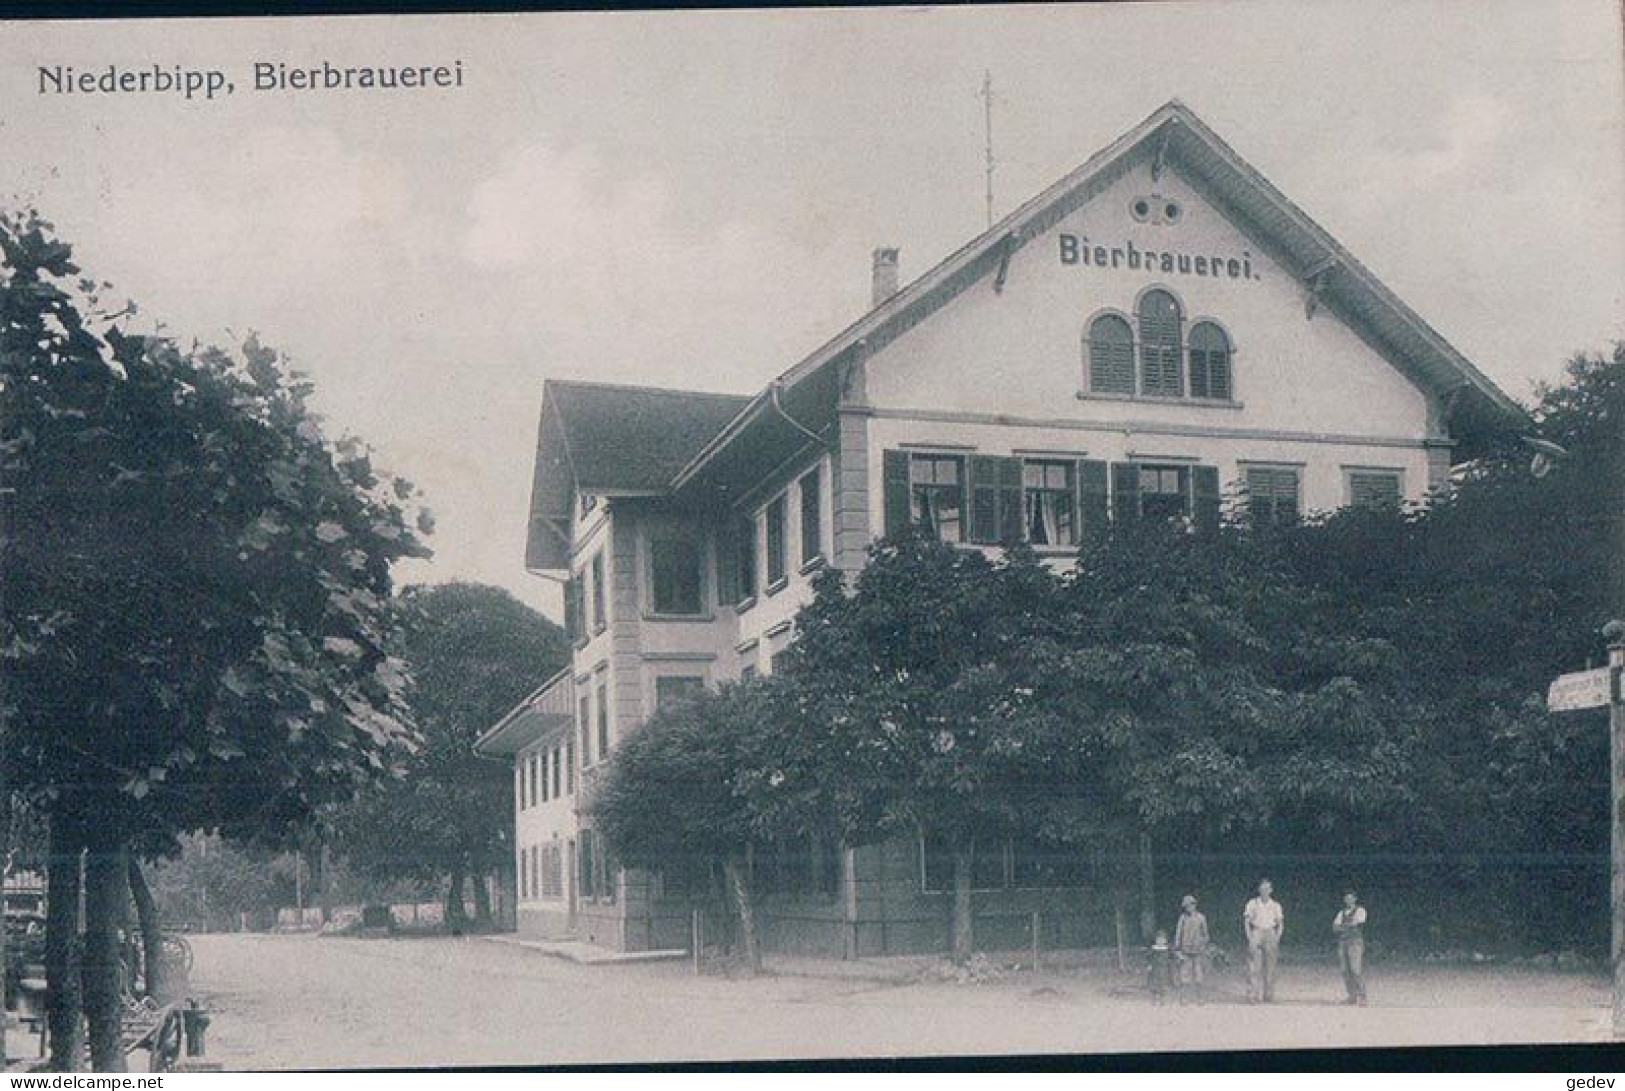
307 1002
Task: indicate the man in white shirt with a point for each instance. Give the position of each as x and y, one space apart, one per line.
1349 924
1264 921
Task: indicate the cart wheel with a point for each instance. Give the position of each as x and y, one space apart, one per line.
166 1047
177 953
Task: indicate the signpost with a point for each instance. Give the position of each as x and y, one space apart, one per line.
1596 689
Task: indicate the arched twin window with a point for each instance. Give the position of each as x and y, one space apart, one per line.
1162 353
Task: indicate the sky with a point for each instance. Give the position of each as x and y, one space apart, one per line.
690 199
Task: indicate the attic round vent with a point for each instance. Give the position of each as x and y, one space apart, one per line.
1171 212
1141 209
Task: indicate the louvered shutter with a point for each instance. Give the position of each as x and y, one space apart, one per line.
1092 498
1374 490
1205 490
1111 356
895 478
1011 509
984 481
1125 490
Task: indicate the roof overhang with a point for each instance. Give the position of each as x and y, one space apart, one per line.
1173 134
545 713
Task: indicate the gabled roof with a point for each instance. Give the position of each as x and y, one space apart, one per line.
629 438
1176 136
611 440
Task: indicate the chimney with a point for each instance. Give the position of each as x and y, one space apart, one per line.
885 275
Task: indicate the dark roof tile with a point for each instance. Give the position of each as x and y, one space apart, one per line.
635 438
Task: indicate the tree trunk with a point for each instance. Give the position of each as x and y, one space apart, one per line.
739 884
62 951
324 867
1148 890
106 885
454 901
152 937
482 900
964 929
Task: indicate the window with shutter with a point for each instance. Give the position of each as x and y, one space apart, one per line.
1049 495
1111 356
1092 497
1210 362
584 726
896 498
1165 492
777 543
599 617
1161 344
1205 498
1272 495
603 721
1374 489
936 495
812 524
1125 491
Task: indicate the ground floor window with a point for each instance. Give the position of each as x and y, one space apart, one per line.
1012 863
552 867
1272 494
799 869
597 871
1376 490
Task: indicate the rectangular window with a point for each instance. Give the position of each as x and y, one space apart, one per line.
937 865
736 562
747 671
519 785
1047 489
1165 492
586 865
1374 489
603 721
524 873
570 766
531 762
745 558
584 726
558 772
553 873
1272 495
937 495
599 618
542 765
674 575
812 523
535 870
575 626
674 688
777 560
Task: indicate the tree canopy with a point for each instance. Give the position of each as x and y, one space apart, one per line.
472 652
195 621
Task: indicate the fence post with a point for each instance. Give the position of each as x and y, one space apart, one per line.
695 930
1035 941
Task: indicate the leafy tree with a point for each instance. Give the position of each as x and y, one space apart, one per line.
1202 693
195 617
699 782
473 652
917 703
